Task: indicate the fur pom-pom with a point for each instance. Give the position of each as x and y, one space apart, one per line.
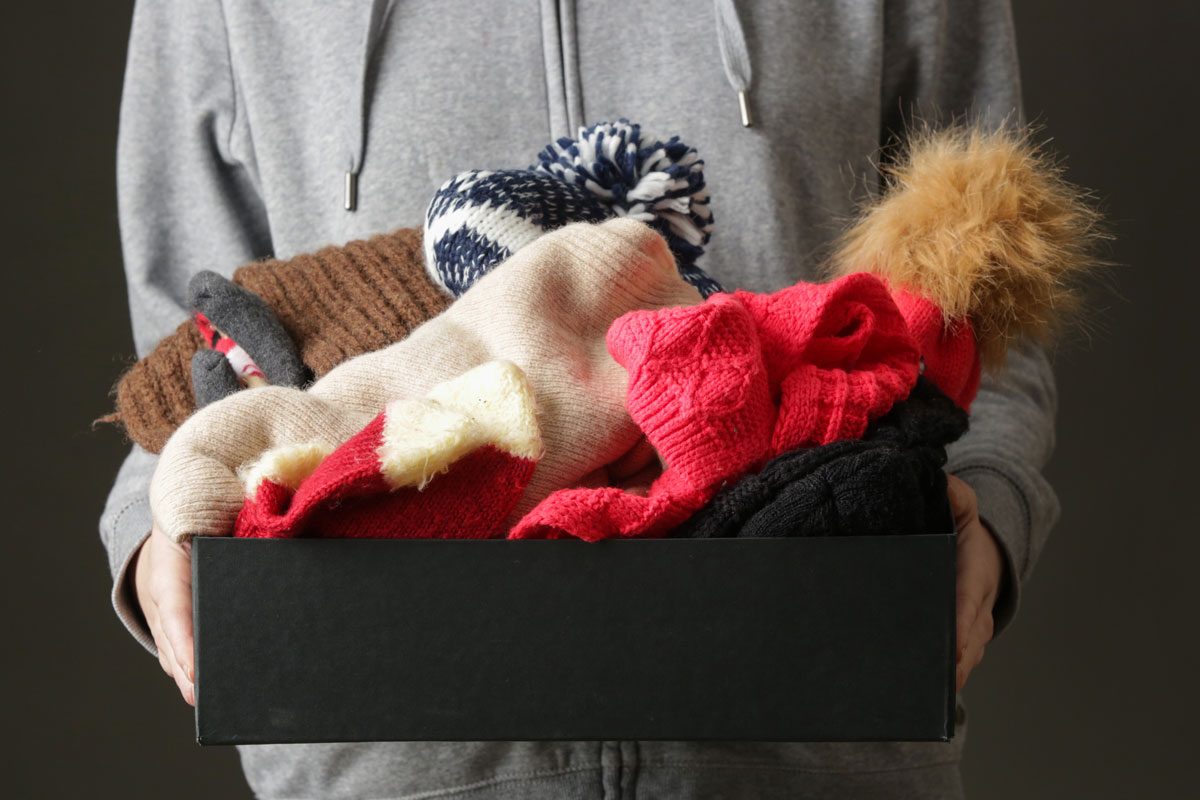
984 225
659 183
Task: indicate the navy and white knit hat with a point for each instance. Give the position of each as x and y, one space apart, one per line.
478 219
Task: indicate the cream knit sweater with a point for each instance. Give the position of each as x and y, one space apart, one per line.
547 310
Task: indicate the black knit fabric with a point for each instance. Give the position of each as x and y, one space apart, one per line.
889 482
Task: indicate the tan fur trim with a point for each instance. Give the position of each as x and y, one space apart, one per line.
490 405
985 226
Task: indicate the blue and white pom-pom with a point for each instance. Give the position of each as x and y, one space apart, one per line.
478 219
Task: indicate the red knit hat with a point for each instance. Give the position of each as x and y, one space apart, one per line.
983 242
480 430
948 349
722 387
838 355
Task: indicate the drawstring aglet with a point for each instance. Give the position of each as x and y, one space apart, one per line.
351 191
744 104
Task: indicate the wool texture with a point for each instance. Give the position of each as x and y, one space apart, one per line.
334 304
478 219
450 465
720 388
341 302
155 395
982 226
889 482
948 351
546 310
240 315
213 377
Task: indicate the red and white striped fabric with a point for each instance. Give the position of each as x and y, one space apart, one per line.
243 365
451 465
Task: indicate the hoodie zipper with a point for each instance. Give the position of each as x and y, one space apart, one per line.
564 95
564 90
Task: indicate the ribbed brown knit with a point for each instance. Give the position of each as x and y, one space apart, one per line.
155 395
335 303
343 301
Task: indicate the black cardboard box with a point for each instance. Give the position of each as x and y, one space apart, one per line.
790 639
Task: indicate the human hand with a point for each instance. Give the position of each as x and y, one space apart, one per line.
980 569
163 583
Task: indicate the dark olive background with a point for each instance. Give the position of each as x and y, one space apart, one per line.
1090 694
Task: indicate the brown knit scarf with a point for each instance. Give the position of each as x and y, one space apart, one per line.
336 303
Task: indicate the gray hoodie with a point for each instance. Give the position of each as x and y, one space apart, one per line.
241 121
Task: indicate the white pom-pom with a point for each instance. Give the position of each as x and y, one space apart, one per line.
653 181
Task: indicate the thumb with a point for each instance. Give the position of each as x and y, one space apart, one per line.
173 598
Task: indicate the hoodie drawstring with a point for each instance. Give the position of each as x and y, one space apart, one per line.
731 39
356 114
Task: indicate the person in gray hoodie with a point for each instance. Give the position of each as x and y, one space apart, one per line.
269 129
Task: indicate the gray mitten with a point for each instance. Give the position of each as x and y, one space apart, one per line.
212 377
243 316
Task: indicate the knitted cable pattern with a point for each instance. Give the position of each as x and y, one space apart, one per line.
889 482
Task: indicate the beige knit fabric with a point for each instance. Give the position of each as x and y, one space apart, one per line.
336 303
547 309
